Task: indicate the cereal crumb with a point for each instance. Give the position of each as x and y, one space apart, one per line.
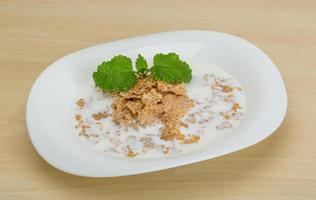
148 144
227 89
235 107
168 133
238 88
80 103
178 89
134 106
130 153
100 116
193 139
224 125
180 136
164 149
226 115
78 117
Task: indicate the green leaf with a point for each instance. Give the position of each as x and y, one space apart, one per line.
141 65
169 68
115 75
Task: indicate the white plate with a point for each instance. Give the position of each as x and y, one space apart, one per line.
51 100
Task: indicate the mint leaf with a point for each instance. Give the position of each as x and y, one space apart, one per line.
169 68
115 75
141 65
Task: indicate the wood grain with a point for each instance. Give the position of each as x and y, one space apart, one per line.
35 33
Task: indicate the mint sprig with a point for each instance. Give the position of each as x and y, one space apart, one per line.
117 74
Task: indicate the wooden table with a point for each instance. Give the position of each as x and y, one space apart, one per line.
34 34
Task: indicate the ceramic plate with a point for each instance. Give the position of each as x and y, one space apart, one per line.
50 103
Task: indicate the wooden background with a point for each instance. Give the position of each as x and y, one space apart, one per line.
33 34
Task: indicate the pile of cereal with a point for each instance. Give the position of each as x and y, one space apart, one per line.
150 102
